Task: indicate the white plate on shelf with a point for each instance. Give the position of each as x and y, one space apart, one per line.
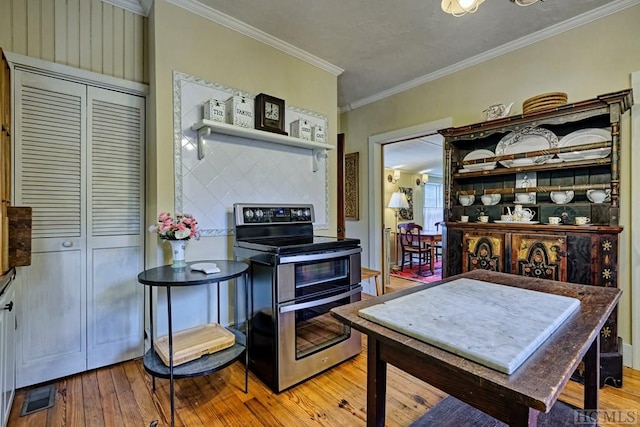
480 154
525 140
497 221
585 136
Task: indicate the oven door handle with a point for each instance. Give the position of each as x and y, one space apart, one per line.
315 303
318 256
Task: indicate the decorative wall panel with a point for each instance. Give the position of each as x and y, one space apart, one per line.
238 170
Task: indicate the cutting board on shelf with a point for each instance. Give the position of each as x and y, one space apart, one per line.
193 343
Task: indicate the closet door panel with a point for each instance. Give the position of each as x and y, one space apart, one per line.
51 127
116 231
51 334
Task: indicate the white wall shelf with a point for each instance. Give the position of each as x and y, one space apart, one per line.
205 127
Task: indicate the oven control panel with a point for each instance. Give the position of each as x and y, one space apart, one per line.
246 214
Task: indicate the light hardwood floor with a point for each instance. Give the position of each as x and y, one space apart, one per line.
121 395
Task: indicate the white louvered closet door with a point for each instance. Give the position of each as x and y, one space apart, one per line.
78 164
115 203
49 133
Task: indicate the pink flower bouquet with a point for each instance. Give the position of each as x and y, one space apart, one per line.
183 227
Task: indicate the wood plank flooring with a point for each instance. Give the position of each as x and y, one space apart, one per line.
121 395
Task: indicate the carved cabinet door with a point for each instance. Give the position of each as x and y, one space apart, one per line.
539 255
481 250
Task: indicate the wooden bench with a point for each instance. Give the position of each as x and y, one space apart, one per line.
367 273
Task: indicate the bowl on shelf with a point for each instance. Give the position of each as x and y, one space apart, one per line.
599 196
490 199
561 197
466 199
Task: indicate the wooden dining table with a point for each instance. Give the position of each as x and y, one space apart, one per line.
425 238
525 398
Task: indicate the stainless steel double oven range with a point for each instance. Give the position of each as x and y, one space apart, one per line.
296 279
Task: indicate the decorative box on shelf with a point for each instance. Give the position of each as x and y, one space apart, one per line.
318 134
215 110
240 111
301 129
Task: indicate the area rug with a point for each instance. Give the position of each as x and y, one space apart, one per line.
425 275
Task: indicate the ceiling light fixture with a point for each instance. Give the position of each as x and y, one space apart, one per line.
462 7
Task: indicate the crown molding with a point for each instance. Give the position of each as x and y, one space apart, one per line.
585 18
140 7
256 34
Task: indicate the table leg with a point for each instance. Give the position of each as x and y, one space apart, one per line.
432 244
247 312
376 384
524 416
592 375
171 388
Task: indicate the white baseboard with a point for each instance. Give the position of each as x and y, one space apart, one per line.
627 356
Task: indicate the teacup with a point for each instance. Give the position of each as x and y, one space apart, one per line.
598 196
506 218
466 199
464 218
483 218
522 197
555 220
582 220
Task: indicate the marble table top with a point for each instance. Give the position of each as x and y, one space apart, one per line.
495 325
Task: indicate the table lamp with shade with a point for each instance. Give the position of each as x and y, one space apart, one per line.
398 201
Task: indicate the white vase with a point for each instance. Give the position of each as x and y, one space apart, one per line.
177 251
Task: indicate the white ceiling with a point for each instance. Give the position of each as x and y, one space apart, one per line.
420 155
385 46
379 47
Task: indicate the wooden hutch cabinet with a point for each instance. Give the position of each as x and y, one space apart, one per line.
549 163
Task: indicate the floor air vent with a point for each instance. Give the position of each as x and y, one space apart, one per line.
39 398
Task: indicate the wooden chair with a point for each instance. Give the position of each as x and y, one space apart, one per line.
409 242
437 253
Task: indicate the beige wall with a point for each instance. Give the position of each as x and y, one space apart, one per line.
86 34
185 42
594 59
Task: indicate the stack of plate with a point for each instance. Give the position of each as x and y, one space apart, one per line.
544 102
475 155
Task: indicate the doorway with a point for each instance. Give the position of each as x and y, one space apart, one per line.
413 175
380 256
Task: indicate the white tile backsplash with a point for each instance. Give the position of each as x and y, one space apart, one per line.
237 170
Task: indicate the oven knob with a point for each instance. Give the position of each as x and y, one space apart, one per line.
248 213
298 213
259 213
307 213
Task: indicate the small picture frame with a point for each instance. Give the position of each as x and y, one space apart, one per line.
525 181
269 113
351 186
